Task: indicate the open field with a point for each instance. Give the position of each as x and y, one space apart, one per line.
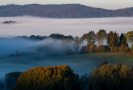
80 63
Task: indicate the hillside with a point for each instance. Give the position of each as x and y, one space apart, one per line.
62 11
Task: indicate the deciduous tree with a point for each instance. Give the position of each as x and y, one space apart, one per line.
48 78
112 39
100 36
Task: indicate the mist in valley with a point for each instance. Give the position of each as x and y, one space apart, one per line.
51 52
18 54
27 25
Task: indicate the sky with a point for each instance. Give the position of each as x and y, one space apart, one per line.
106 4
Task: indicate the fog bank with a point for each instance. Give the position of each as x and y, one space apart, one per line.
27 25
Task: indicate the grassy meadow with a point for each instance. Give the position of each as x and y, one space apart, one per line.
80 63
95 58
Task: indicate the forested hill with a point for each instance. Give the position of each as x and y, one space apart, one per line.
62 11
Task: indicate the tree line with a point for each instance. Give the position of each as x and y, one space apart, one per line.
104 77
103 42
62 11
96 42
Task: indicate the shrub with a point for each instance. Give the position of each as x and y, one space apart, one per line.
96 49
103 49
86 49
122 48
116 49
112 49
127 50
100 49
92 48
83 49
132 48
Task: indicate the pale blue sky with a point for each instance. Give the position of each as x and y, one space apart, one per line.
107 4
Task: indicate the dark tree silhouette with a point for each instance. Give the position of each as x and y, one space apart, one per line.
11 79
122 39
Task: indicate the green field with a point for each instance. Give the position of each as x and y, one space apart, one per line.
85 63
80 63
112 58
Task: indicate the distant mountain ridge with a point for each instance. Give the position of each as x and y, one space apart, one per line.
62 11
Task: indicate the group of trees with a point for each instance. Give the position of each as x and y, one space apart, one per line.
103 42
111 77
61 11
92 38
104 77
99 42
54 36
48 78
96 42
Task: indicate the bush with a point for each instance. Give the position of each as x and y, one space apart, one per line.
122 48
92 48
48 78
103 49
96 49
86 49
127 50
112 49
116 49
132 48
83 49
100 49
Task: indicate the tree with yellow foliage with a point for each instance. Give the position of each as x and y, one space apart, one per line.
112 39
92 48
100 49
111 77
48 78
129 37
132 48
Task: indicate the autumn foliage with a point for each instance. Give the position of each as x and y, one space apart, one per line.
92 48
111 77
48 78
101 48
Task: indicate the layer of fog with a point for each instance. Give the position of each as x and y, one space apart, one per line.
46 47
23 63
27 25
44 26
32 55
